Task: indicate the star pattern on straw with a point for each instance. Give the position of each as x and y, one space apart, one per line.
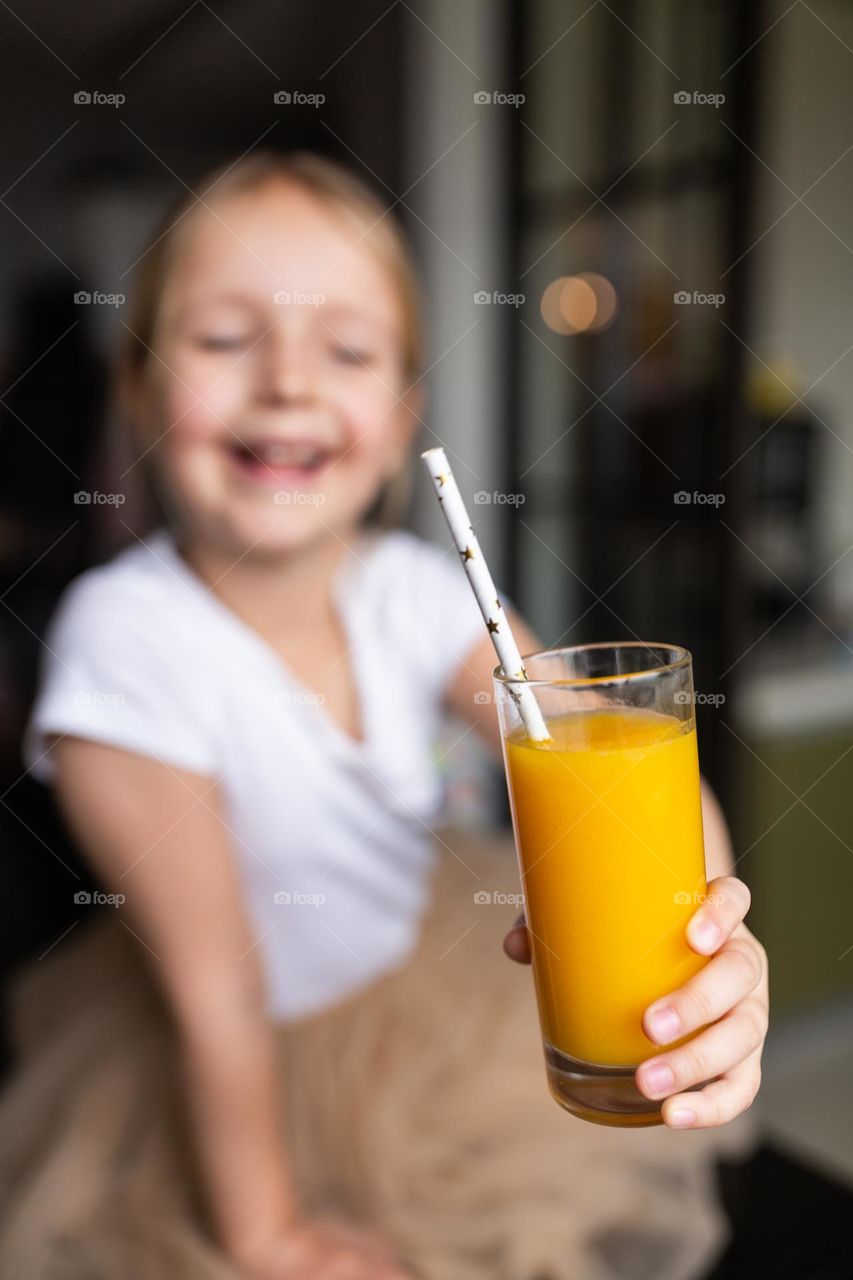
468 548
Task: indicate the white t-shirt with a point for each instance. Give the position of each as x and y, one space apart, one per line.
331 834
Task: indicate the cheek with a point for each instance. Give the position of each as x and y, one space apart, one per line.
372 412
187 426
198 395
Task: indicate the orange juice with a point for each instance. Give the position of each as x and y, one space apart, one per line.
608 825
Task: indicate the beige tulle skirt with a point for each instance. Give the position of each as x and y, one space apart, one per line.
417 1106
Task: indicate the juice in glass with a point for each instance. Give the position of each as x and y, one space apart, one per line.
608 828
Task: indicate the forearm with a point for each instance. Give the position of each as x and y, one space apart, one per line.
232 1093
133 814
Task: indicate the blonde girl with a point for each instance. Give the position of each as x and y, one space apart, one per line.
237 715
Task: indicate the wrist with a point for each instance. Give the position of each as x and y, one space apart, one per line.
247 1232
241 1154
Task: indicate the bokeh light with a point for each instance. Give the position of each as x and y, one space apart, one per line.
583 303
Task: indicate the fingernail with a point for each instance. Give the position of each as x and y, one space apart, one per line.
682 1118
659 1078
706 935
665 1025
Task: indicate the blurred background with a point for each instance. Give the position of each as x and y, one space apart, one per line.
636 234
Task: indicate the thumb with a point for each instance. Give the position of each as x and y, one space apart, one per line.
517 941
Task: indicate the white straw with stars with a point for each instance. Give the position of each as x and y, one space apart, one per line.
447 492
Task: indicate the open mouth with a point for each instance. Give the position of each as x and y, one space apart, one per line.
280 461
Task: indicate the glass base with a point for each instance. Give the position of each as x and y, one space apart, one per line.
603 1095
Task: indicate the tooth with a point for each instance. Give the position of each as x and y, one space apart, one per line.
283 453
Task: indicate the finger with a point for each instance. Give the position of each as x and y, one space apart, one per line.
351 1266
294 1252
717 1103
344 1232
725 906
368 1243
345 1267
725 980
517 944
714 1052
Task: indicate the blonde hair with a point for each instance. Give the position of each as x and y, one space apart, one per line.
335 187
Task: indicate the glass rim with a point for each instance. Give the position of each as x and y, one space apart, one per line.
683 659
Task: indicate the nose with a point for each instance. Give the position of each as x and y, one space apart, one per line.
287 375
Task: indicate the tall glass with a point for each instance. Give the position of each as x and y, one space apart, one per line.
608 828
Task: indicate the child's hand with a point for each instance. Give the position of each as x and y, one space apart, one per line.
729 999
326 1248
730 994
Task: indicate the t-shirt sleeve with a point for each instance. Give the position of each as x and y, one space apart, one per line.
115 671
443 623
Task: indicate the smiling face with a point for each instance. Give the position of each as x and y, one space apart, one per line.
277 375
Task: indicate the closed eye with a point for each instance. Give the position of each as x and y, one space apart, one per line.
351 355
221 342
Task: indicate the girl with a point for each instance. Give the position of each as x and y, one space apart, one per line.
237 717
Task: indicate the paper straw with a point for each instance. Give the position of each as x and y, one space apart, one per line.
447 492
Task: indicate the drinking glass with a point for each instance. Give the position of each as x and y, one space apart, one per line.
608 830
